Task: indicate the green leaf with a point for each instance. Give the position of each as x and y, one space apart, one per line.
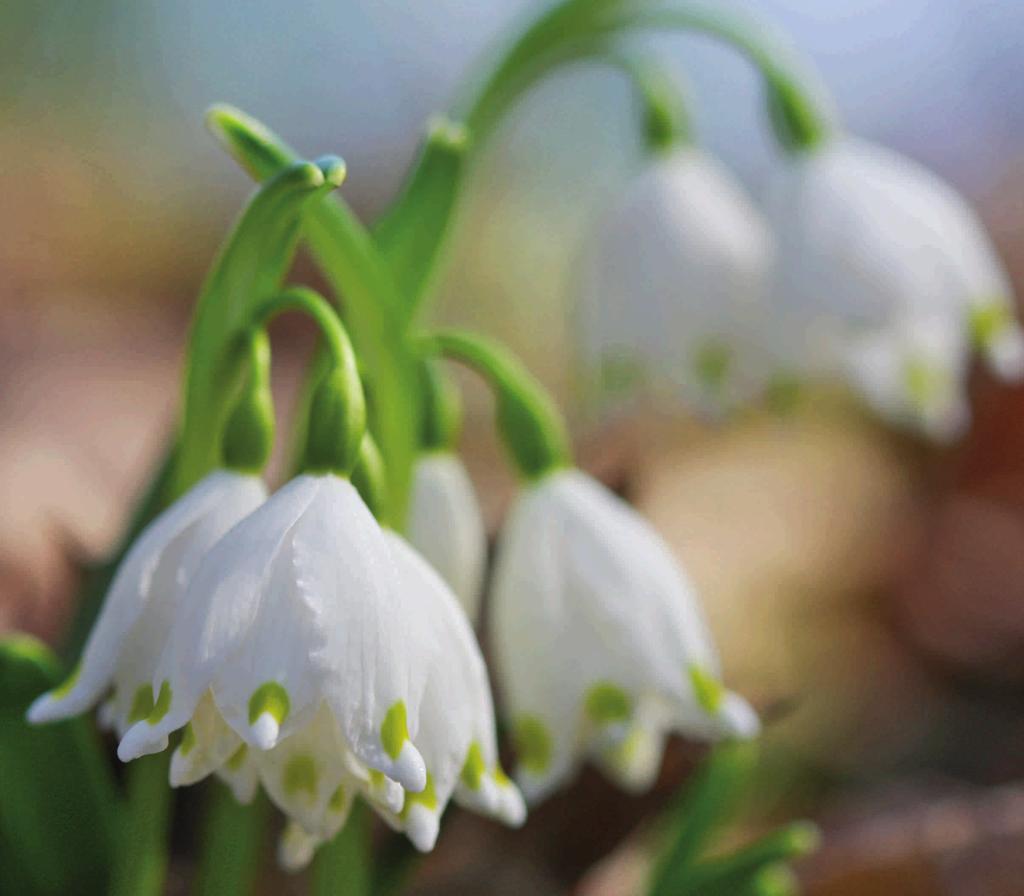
412 233
249 269
59 814
371 305
730 873
140 868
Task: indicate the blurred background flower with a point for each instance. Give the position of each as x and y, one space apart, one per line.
866 590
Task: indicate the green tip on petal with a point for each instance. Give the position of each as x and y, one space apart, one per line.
607 703
271 698
142 704
300 775
988 321
337 801
473 769
708 690
63 689
162 705
923 382
394 731
188 740
236 759
426 798
533 744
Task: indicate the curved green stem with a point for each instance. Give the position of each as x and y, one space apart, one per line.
337 420
666 118
531 426
371 305
310 302
250 268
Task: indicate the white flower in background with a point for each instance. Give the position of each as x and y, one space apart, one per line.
446 526
914 373
144 598
600 645
297 607
672 286
868 239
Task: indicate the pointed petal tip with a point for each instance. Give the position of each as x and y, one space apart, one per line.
738 718
408 769
45 708
422 826
295 848
141 740
1006 355
265 731
511 807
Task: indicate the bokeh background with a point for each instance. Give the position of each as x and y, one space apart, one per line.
867 590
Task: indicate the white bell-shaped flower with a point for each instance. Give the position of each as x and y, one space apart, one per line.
144 598
600 645
457 730
914 373
869 238
672 286
445 525
312 775
297 607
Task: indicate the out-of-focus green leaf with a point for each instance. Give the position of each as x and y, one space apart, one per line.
343 866
59 813
412 233
731 873
371 306
232 841
140 863
702 809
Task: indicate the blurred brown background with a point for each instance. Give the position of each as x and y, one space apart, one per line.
867 591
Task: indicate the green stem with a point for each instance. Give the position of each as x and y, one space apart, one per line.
232 844
310 302
141 864
667 123
532 428
342 867
704 807
728 873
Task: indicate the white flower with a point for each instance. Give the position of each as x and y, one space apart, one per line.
446 526
913 373
143 600
297 607
599 642
326 658
673 283
869 239
456 735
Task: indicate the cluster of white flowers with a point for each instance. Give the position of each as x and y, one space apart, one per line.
298 645
864 267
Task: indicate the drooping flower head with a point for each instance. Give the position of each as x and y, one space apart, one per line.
873 248
148 587
672 286
600 646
